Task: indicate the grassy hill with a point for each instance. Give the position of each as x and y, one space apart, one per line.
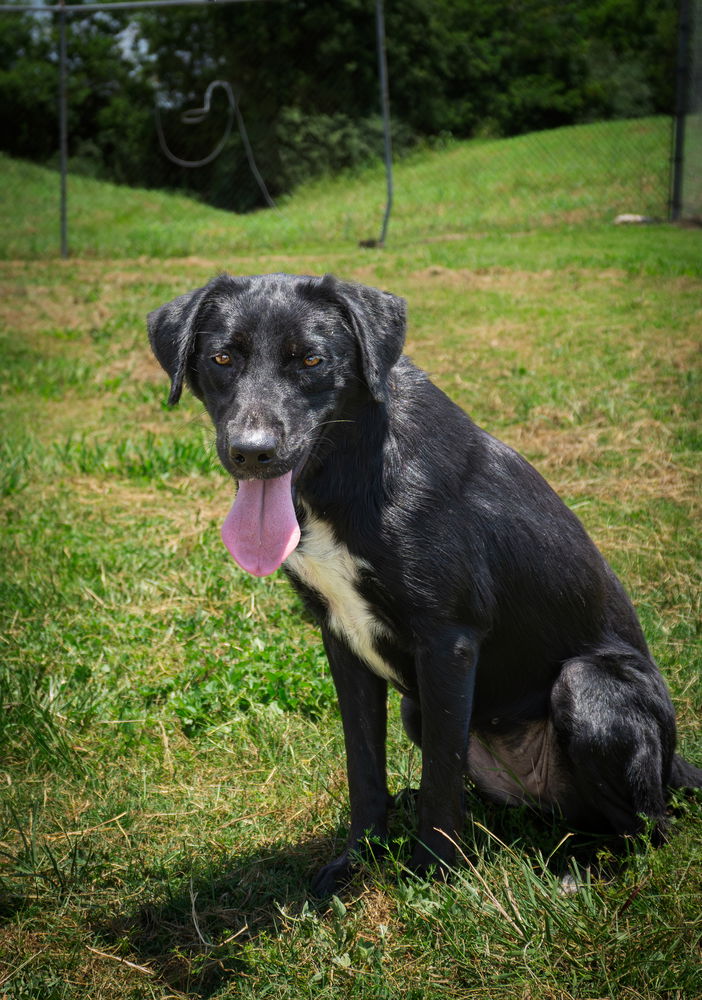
569 176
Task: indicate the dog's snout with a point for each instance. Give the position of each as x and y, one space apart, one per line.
246 457
250 453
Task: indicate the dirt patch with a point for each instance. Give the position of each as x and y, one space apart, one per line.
139 365
484 279
502 277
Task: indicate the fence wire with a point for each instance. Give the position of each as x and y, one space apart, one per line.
232 145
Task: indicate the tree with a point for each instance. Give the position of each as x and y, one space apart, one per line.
305 75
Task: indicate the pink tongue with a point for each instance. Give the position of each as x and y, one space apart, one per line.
261 529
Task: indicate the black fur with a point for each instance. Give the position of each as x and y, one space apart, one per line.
502 623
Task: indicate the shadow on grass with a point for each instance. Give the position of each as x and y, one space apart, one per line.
195 940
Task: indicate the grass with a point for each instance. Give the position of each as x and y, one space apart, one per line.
571 175
171 761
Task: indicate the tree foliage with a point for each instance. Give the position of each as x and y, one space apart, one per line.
305 76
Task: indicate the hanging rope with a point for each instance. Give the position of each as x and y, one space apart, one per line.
197 115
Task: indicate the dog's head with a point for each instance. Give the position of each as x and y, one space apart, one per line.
275 358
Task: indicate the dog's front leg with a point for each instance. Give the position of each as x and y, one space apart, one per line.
446 680
363 702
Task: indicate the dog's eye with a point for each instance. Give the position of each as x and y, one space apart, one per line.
222 358
311 361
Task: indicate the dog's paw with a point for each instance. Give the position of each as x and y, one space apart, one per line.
425 864
333 877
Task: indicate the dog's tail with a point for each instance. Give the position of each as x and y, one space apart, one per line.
684 775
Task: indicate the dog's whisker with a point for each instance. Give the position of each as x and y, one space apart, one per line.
324 423
327 423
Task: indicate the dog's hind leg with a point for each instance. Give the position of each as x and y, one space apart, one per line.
684 775
616 725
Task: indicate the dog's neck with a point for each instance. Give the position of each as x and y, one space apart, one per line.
344 469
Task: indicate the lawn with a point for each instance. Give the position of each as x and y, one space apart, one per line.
574 175
171 760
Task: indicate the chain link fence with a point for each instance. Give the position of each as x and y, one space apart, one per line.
192 122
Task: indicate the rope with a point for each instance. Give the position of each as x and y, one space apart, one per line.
197 115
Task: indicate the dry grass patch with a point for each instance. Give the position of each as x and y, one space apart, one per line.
568 456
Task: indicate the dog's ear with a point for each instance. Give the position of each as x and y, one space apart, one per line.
172 333
379 321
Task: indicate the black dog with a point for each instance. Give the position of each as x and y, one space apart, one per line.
434 557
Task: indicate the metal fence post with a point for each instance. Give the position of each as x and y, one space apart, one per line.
63 129
682 70
385 106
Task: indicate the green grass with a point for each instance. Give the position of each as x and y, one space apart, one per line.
171 761
568 176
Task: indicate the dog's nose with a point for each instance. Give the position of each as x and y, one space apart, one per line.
249 453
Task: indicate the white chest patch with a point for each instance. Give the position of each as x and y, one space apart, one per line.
326 566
